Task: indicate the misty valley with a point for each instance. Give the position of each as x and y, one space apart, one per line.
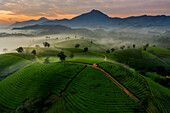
91 63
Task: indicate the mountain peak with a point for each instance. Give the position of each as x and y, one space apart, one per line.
43 18
94 11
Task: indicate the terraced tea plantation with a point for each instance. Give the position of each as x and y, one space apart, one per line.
80 89
42 80
83 43
10 63
160 96
139 59
92 81
92 92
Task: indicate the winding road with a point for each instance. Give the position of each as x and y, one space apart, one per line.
110 77
115 81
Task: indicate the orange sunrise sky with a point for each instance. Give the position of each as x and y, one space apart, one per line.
22 10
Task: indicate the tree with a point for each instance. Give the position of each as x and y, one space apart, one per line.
134 45
61 55
71 55
113 49
5 50
37 46
20 49
154 46
144 48
147 45
108 51
46 44
47 60
34 52
128 47
85 49
77 45
122 47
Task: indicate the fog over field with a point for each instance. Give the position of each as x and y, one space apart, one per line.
11 39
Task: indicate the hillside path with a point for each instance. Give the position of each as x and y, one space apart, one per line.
114 81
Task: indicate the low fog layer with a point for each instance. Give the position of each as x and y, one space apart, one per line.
11 39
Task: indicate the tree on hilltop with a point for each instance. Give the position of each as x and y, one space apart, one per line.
62 56
85 49
46 44
20 49
113 49
77 45
34 52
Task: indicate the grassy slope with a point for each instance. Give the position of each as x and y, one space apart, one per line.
130 79
83 43
23 55
10 63
137 59
162 53
42 80
160 96
53 78
79 53
42 51
133 82
92 92
85 60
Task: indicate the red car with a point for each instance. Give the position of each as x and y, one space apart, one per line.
95 65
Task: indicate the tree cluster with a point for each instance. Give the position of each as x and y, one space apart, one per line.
46 44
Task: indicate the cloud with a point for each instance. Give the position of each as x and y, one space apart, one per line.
3 21
59 8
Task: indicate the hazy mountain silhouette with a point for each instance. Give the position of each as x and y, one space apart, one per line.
30 22
96 18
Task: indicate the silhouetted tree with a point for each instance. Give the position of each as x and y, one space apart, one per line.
20 49
71 55
5 50
46 44
147 45
37 46
128 47
77 45
108 51
122 47
144 48
154 46
47 60
61 55
85 49
113 49
34 52
134 45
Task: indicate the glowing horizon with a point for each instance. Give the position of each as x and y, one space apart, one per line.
23 10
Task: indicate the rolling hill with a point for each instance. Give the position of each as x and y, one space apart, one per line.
139 59
88 82
78 86
10 64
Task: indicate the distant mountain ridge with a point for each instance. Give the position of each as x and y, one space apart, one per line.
96 18
29 22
